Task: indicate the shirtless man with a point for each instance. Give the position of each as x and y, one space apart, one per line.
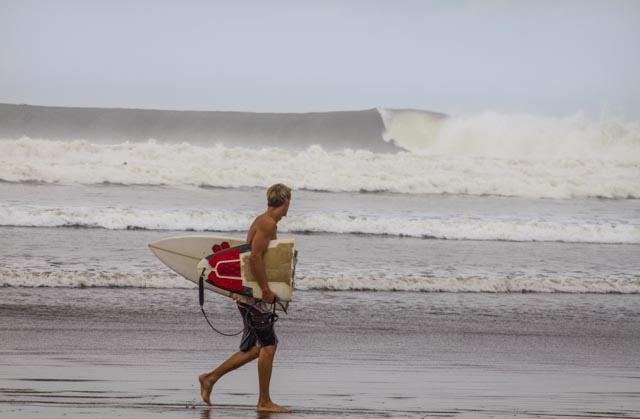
255 343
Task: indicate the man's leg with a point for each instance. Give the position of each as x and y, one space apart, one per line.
207 380
265 364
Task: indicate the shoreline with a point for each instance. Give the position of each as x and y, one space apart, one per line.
131 352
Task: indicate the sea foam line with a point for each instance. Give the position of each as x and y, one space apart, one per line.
455 228
84 279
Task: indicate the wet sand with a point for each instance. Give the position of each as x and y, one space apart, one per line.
100 352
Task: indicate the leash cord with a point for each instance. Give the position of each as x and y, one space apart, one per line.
216 330
274 316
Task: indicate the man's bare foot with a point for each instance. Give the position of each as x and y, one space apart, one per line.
271 407
205 388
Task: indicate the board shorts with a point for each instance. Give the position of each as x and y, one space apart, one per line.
258 329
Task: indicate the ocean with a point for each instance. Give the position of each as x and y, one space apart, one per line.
479 217
491 203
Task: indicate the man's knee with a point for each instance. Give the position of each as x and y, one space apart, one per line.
269 350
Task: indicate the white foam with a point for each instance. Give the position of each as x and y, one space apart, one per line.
453 171
456 228
473 284
82 279
123 218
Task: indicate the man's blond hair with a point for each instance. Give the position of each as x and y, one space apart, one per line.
277 194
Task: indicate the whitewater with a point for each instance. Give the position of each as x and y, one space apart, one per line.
490 154
384 199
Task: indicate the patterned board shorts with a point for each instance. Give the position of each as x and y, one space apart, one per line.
258 328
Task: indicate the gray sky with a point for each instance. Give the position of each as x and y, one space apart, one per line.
544 57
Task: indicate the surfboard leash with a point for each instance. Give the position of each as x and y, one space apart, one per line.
273 317
201 300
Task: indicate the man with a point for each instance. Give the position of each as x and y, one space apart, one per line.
257 342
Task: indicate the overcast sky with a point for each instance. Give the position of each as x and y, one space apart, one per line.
545 57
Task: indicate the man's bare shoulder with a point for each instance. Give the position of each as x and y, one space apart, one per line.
265 223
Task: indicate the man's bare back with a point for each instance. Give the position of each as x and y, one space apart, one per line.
262 231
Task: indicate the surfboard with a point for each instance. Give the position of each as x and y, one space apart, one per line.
224 264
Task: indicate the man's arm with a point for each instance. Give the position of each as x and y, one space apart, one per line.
259 245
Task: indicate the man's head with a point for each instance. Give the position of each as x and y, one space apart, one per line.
279 196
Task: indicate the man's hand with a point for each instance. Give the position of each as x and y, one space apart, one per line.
269 296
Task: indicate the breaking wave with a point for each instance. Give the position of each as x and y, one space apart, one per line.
615 175
514 137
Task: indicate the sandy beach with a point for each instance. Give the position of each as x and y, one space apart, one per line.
99 352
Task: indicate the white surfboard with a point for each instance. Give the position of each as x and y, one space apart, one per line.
224 264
